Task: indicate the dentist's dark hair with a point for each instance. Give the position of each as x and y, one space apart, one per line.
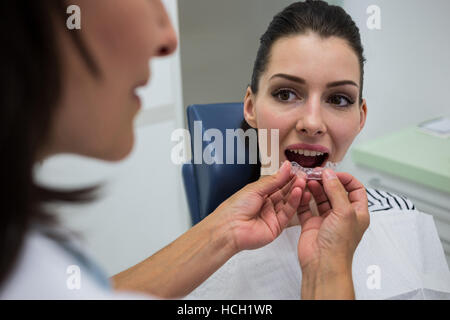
29 94
301 18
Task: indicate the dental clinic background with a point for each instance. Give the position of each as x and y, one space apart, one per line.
142 205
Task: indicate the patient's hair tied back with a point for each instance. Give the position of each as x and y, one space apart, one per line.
309 16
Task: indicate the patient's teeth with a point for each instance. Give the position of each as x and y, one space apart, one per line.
309 153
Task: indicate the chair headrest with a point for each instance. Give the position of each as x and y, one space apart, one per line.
219 180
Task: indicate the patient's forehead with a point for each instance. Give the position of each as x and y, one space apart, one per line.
317 60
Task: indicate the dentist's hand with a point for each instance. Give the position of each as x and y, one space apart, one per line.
328 241
259 212
251 218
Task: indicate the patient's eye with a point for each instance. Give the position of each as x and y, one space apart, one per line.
284 95
340 100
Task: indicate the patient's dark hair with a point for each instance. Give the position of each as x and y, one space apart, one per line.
29 93
300 18
310 16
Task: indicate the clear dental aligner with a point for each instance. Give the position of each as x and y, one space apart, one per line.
312 173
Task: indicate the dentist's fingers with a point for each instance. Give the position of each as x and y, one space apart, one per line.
317 191
348 195
279 195
285 214
320 197
356 190
357 196
279 198
349 182
267 185
306 198
336 194
303 217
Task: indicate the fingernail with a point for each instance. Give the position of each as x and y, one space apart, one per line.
283 165
329 174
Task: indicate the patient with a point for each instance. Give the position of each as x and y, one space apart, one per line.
308 82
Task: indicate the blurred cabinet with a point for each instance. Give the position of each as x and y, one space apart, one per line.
425 199
415 164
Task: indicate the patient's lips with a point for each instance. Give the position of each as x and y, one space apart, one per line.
308 156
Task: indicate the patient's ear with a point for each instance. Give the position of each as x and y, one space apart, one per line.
362 114
249 108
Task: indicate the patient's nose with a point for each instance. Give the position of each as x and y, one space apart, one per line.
310 122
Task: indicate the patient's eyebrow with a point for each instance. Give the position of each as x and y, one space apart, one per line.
289 77
303 81
341 83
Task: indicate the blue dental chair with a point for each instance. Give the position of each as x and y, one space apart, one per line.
208 185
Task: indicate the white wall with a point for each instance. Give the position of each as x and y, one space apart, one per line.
142 206
219 40
407 72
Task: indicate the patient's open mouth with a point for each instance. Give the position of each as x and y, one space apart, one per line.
307 158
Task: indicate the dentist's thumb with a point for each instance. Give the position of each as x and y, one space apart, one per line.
267 185
336 193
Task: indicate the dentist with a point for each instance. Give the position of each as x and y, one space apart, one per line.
66 91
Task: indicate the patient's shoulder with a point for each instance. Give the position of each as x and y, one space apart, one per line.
379 200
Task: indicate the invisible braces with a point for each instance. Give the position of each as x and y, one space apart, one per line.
313 173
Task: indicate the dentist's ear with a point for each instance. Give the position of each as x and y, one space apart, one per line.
363 114
249 108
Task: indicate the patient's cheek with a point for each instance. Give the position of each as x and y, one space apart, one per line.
269 118
344 135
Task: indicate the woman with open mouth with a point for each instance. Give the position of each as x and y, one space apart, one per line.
307 83
74 91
